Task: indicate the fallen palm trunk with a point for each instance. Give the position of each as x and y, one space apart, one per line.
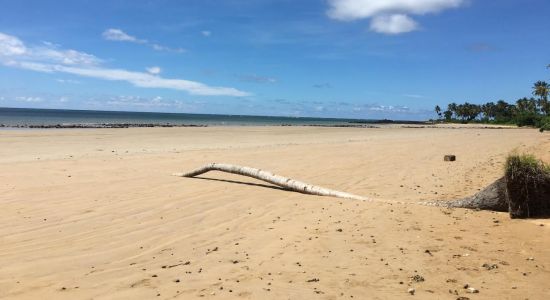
523 192
287 183
492 198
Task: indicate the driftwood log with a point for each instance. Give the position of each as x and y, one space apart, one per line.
522 198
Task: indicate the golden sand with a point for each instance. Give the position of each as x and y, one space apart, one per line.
95 214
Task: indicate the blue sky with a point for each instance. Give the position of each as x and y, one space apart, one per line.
334 58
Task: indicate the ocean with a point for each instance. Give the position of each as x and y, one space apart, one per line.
14 117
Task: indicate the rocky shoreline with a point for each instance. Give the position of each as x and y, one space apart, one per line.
137 125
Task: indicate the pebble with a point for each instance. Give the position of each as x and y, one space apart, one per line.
411 291
472 290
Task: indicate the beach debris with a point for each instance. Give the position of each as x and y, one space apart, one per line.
490 266
313 280
449 157
417 278
180 264
213 250
411 291
470 289
287 183
318 292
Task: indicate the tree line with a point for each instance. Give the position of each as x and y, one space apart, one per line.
533 111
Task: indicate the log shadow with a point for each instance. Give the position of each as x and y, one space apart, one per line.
246 183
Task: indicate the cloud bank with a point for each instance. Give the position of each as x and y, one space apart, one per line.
51 59
388 16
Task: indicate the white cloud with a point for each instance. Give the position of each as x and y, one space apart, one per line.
13 53
257 79
158 47
382 108
135 101
388 16
29 99
393 24
66 57
206 33
154 70
11 46
115 34
347 10
70 81
416 96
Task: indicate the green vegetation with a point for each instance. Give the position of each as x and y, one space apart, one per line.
528 186
533 111
525 165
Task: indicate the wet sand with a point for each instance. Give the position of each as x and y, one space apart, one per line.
95 214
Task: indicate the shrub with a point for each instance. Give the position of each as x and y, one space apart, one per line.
528 186
527 119
544 124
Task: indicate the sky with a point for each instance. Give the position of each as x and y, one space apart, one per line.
367 59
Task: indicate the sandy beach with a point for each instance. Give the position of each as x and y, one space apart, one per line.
96 214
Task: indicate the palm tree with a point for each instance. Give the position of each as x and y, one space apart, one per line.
452 107
448 115
542 89
526 105
489 110
438 111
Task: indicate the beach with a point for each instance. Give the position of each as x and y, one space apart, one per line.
96 214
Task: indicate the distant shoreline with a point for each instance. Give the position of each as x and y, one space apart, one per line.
61 118
22 118
409 125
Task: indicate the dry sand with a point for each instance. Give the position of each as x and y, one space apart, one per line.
95 214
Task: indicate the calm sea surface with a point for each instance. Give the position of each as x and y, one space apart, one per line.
27 116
